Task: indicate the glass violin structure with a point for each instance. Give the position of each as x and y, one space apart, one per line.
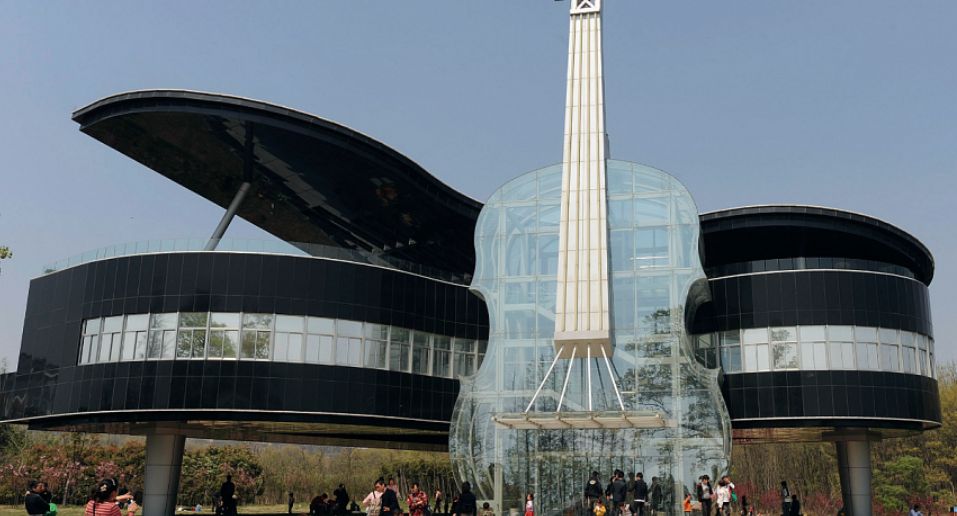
591 271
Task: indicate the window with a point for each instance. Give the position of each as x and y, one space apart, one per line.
842 355
442 365
320 340
784 347
256 335
652 247
399 345
223 335
134 337
421 349
890 359
191 338
730 345
288 340
376 344
813 355
867 356
464 357
349 343
90 340
162 336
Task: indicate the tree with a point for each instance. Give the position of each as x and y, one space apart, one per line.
5 252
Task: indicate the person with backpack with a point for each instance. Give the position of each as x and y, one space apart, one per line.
592 490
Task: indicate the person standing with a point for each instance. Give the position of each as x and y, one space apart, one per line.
34 503
228 493
291 501
592 490
795 506
641 495
618 490
417 501
723 497
390 503
705 495
467 503
656 496
438 499
915 510
342 499
104 500
373 501
530 504
785 499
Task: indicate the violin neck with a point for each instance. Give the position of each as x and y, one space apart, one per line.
582 316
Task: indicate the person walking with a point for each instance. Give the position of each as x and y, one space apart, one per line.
35 503
227 492
291 501
530 504
439 498
641 495
657 496
785 499
417 501
705 495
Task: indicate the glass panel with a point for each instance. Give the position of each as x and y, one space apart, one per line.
730 338
105 343
295 347
376 331
155 344
169 343
321 325
755 336
764 363
193 319
890 360
312 349
117 339
163 321
909 360
812 334
784 334
184 344
442 342
398 355
280 346
841 333
420 357
224 320
257 321
113 324
348 328
262 345
865 334
342 351
888 336
138 322
355 352
129 345
249 345
785 355
216 343
442 364
375 353
464 363
290 323
464 345
231 344
326 350
750 358
140 352
867 355
731 359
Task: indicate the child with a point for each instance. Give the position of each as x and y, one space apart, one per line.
487 510
599 509
529 504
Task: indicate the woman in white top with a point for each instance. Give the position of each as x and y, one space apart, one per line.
723 494
373 501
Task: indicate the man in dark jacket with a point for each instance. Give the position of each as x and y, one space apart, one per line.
390 503
468 506
641 495
342 499
592 490
617 491
226 491
34 503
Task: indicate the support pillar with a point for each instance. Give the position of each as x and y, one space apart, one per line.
854 462
227 217
164 459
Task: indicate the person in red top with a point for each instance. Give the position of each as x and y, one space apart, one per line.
104 500
417 501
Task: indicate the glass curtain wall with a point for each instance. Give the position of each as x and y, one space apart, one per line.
655 269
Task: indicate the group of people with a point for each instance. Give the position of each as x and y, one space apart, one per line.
108 498
384 498
626 495
324 505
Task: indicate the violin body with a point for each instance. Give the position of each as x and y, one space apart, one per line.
656 282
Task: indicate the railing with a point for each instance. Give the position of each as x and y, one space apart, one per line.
255 246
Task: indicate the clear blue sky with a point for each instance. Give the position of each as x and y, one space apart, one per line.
846 104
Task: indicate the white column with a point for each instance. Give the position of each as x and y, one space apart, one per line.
164 459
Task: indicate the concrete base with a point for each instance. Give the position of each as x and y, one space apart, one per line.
854 463
164 459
